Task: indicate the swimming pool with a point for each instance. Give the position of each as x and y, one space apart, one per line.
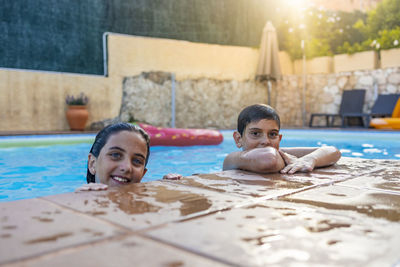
32 166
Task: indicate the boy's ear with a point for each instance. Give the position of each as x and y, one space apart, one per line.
237 137
92 164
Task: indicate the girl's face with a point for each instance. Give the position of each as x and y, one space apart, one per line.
121 161
259 134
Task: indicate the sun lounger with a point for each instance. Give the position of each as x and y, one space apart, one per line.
384 105
351 106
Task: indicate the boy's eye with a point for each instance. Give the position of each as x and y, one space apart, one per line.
273 134
256 134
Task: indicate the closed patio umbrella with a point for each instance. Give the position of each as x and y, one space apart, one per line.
269 68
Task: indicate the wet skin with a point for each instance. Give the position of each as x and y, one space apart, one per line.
264 133
260 144
121 161
261 152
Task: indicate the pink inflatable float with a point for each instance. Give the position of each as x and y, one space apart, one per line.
181 137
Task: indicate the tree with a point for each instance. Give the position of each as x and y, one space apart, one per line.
327 32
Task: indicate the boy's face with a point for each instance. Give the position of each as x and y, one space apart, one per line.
262 133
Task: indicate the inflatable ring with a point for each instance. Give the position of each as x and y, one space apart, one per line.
392 123
386 123
181 137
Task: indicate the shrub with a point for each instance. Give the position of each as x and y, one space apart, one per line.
328 32
79 100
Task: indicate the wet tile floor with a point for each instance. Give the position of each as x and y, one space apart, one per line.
345 215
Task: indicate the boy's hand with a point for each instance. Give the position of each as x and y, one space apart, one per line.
172 176
294 164
92 187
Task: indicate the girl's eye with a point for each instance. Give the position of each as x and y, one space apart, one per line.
137 161
115 155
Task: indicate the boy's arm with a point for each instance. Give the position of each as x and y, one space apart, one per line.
309 158
261 160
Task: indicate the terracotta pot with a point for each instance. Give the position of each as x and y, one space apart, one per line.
77 117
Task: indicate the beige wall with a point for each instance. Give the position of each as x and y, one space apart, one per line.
132 55
319 65
34 100
367 60
390 58
286 63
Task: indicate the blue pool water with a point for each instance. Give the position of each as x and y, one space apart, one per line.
32 166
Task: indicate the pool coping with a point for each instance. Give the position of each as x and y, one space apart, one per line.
188 222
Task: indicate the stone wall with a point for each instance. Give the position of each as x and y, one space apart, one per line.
324 92
210 103
200 103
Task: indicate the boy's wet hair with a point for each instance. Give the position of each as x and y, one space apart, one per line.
255 113
103 136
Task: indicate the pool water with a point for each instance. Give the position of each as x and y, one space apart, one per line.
44 165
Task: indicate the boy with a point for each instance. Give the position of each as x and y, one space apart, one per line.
258 136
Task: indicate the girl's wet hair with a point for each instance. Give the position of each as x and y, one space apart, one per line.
103 136
255 113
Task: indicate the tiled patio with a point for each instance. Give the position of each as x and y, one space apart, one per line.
346 215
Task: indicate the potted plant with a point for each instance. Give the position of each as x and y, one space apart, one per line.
77 114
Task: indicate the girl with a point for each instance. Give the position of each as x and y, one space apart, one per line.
118 156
